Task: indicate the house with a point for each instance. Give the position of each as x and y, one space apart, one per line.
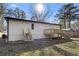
27 30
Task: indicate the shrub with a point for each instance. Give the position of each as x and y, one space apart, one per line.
4 36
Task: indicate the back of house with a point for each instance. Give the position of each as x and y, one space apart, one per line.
27 30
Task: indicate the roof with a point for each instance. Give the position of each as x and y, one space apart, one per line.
10 18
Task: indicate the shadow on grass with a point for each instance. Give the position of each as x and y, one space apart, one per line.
64 52
22 46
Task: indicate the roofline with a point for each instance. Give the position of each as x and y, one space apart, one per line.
8 18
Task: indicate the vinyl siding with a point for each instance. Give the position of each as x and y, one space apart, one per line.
16 29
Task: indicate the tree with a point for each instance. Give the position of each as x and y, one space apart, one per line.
2 12
9 13
23 14
43 16
68 13
62 22
2 9
17 13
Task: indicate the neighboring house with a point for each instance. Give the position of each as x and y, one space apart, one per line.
28 30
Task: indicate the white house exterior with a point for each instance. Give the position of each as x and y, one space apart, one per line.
18 27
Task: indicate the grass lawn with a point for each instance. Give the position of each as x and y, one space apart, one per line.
49 48
72 47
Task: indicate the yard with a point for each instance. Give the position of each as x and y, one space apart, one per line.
55 47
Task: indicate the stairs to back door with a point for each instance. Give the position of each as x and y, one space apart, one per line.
57 33
65 34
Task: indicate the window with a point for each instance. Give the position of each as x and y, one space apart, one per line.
32 26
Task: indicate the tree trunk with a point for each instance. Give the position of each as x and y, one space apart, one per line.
69 25
65 24
1 24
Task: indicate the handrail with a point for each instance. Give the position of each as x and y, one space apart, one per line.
52 32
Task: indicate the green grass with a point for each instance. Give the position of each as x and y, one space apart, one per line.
71 47
49 51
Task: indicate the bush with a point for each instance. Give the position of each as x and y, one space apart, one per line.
4 36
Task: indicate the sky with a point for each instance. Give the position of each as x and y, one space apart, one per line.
54 7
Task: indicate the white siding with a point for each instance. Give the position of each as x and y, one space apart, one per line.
16 29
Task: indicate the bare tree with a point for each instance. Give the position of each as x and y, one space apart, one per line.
2 9
43 16
17 13
2 12
9 13
22 14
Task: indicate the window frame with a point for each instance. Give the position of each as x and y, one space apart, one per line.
32 26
